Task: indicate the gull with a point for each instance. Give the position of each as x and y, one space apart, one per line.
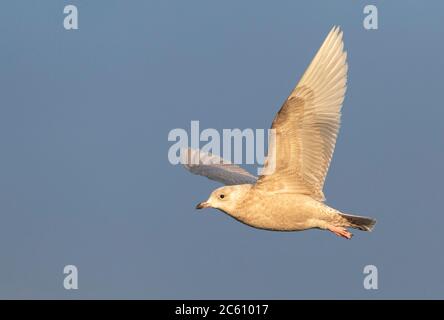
288 195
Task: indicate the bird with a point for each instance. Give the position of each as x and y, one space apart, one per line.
288 194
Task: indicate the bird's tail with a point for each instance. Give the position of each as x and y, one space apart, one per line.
358 222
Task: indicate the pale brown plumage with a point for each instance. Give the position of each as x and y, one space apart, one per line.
308 123
288 195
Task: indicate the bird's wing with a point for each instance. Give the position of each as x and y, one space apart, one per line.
307 125
215 168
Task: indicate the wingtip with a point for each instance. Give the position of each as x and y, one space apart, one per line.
337 30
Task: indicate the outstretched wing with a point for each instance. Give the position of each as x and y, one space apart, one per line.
215 168
307 124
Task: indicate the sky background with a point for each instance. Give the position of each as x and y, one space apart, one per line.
84 171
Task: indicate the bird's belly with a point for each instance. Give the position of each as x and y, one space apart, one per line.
283 212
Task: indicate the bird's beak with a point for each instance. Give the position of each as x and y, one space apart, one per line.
202 205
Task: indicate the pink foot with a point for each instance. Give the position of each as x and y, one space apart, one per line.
341 232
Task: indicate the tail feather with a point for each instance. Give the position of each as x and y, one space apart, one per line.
358 222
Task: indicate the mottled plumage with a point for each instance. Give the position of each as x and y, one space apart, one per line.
288 195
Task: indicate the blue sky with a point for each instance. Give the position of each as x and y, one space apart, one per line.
84 173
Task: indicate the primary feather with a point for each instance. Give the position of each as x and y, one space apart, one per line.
307 125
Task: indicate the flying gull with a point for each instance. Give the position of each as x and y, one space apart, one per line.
288 195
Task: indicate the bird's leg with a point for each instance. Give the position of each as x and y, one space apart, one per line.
341 232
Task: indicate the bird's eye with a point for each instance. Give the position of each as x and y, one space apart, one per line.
222 196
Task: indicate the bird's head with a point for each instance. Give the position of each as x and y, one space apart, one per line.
225 198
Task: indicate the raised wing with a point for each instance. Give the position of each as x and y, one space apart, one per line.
215 168
307 125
